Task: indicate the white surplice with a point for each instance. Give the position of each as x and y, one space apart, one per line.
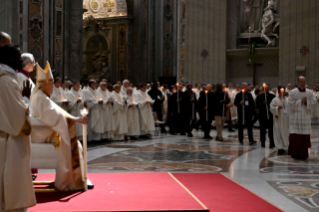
133 120
75 108
300 114
95 122
21 79
120 116
281 122
58 96
16 188
146 115
233 109
107 112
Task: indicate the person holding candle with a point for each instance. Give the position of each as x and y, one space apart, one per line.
279 109
190 104
220 101
133 120
58 95
265 116
59 129
246 111
301 102
205 106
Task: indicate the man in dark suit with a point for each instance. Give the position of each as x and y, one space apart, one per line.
246 101
205 105
189 109
265 117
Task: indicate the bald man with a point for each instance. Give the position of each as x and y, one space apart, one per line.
301 102
4 39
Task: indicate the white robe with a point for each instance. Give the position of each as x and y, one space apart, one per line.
21 78
233 109
133 120
16 188
95 122
58 96
281 122
76 108
107 113
120 119
55 122
300 114
146 114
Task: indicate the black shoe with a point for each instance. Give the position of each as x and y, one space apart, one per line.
208 137
252 143
281 152
125 138
231 130
219 139
241 142
133 138
34 176
183 133
271 146
190 135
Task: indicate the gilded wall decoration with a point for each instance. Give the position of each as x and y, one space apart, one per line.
104 8
168 38
182 48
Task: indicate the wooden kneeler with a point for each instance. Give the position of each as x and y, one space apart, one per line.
49 189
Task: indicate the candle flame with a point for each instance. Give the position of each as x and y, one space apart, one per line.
282 90
193 89
206 92
84 112
233 92
264 85
162 88
243 90
177 84
226 89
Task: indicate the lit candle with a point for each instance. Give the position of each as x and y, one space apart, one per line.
243 91
264 86
162 88
206 105
223 103
282 90
177 86
193 104
84 113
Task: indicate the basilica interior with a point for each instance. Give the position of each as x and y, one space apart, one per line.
186 42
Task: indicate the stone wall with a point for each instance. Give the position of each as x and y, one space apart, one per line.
205 29
299 27
9 16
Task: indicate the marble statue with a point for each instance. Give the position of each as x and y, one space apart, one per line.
253 14
270 23
100 59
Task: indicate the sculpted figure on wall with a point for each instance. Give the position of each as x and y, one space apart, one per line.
270 24
100 60
253 13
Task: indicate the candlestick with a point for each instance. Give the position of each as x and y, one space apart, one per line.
243 91
206 106
264 86
178 107
223 103
84 113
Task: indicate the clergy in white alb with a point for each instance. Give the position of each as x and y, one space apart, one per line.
95 106
124 87
16 188
301 102
146 115
133 120
58 95
279 109
58 129
76 102
119 114
107 110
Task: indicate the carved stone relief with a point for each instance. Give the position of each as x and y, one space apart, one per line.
104 8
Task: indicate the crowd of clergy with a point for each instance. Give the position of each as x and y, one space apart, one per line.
124 111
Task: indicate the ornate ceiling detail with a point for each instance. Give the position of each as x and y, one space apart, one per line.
104 8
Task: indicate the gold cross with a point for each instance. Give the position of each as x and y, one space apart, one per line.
109 4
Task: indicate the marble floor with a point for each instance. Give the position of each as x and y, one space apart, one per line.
290 185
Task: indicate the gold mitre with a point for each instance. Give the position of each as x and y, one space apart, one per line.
44 76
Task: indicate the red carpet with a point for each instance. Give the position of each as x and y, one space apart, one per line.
219 193
121 192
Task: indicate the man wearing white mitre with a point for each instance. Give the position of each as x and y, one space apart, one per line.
145 107
16 189
59 129
107 110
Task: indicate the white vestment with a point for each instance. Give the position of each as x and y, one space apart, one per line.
58 96
54 119
233 109
76 108
95 122
16 188
107 113
133 121
281 122
146 114
300 114
21 79
119 114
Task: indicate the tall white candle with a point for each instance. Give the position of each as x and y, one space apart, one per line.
264 85
84 113
206 106
243 91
